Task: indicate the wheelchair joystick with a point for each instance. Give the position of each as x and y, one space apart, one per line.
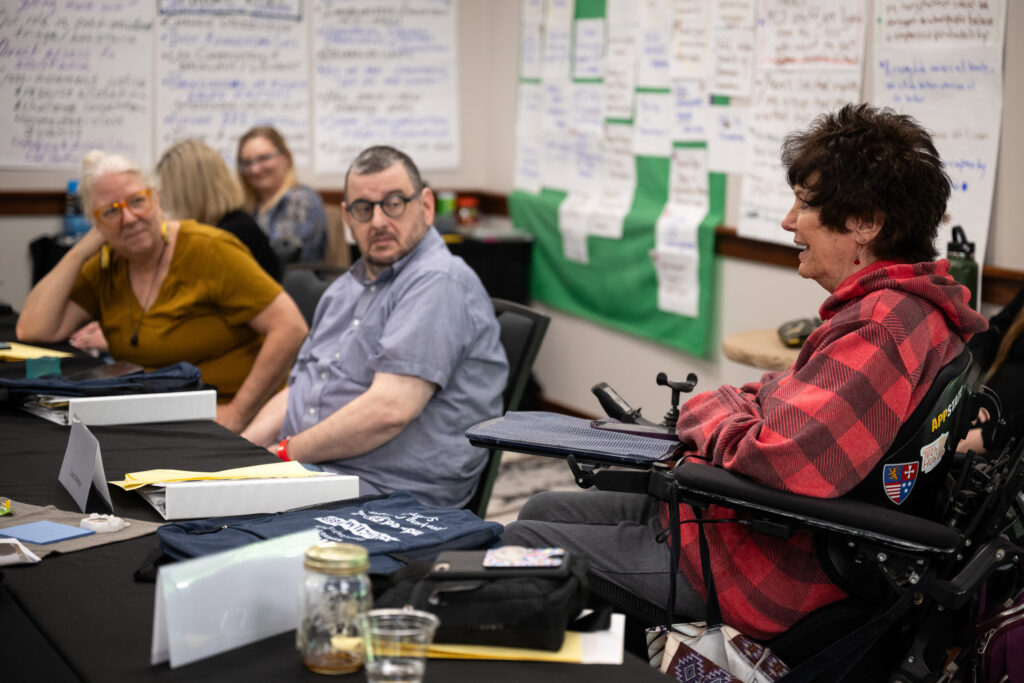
662 380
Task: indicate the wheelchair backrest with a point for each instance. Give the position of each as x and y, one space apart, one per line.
911 476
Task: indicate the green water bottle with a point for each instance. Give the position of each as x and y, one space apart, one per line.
962 266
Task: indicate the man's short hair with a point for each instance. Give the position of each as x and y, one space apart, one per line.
380 158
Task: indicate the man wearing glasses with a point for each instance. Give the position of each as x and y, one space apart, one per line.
403 356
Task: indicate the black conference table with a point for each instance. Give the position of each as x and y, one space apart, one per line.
82 616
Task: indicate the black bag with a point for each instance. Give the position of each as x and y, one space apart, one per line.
511 607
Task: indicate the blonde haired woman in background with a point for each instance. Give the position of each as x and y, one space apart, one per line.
292 215
166 291
196 183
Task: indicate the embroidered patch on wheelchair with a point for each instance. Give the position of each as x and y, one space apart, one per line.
931 454
898 479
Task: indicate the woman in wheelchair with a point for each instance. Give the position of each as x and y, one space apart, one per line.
869 192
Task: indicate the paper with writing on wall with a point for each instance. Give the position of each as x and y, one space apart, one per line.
385 73
937 63
222 71
531 36
652 134
727 138
690 110
783 101
732 47
678 286
82 467
64 66
588 52
655 39
811 34
572 223
691 39
620 72
556 52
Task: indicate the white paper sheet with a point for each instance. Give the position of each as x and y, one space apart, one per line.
783 102
691 39
588 55
218 78
690 108
727 138
652 135
385 74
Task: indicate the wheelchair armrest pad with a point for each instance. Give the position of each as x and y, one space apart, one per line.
702 483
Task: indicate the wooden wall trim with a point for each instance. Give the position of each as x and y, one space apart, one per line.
998 285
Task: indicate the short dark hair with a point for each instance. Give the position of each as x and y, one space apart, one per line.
381 158
872 163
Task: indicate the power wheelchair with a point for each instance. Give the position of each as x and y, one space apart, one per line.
914 572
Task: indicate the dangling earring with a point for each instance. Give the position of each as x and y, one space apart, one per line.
105 256
856 259
163 232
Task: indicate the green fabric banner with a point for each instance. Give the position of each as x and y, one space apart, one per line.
619 286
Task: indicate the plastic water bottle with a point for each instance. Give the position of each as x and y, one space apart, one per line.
962 266
75 222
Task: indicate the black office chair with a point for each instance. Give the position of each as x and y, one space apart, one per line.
913 573
306 283
522 331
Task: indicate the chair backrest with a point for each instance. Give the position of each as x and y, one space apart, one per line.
522 331
338 251
305 286
911 476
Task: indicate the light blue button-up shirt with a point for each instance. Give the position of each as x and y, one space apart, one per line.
426 315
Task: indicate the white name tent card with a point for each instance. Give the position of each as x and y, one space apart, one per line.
216 603
225 497
82 467
175 406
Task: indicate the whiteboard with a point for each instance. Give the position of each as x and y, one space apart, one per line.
134 76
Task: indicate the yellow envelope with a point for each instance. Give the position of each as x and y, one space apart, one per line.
571 651
275 470
19 352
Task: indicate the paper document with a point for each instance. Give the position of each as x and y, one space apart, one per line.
19 352
134 480
598 647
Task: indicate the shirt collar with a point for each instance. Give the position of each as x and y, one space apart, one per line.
431 240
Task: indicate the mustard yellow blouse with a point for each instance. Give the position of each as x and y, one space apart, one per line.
213 289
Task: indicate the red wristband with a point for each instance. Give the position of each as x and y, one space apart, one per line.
282 449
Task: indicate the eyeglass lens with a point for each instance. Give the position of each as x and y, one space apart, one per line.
261 159
139 204
393 206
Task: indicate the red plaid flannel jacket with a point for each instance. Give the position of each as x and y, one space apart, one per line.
818 429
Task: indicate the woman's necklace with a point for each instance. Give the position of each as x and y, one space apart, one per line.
152 283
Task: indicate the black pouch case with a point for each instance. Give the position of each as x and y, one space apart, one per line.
526 607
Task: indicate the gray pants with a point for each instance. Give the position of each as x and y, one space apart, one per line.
617 534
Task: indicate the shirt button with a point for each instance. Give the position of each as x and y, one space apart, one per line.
323 375
337 356
312 411
355 323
